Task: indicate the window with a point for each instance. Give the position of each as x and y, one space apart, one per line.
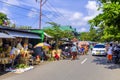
99 46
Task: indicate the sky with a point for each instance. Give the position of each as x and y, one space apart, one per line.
75 13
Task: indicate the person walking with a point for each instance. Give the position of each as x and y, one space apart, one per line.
109 53
91 47
74 52
82 50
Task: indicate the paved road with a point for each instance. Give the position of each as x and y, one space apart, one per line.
86 68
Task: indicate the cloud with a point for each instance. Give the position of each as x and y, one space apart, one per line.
32 13
5 11
86 18
67 17
30 3
73 18
14 2
13 21
83 29
76 16
92 9
79 23
92 5
5 8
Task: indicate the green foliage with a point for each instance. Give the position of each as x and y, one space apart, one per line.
84 36
111 33
21 66
108 21
92 35
3 18
106 1
57 33
24 27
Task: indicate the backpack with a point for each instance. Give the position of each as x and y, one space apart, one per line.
74 49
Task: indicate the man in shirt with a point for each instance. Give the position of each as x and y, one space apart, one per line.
74 52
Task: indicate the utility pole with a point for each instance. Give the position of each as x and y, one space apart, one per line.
40 21
40 16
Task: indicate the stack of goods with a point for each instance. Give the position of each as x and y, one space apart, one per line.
3 59
24 57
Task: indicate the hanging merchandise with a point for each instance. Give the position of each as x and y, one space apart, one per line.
1 43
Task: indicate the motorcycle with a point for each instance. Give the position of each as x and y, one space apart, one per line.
66 54
116 55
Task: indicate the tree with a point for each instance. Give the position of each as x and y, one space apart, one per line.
105 1
4 21
57 33
84 36
13 25
92 35
108 20
24 27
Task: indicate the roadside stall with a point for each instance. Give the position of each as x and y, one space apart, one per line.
84 45
43 51
17 50
4 55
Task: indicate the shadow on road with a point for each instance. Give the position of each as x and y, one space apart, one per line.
2 73
100 60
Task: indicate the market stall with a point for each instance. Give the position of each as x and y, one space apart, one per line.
4 56
84 45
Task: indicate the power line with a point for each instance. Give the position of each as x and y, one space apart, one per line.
57 11
51 9
32 7
18 6
47 17
49 12
50 6
24 8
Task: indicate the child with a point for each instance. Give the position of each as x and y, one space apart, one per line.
56 56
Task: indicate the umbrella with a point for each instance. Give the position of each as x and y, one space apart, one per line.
42 45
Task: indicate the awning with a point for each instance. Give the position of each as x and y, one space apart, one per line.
23 34
47 35
3 35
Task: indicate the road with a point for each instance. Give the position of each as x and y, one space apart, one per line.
87 67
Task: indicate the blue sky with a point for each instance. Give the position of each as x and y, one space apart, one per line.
65 12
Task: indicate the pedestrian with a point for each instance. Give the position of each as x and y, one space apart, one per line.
91 47
109 53
82 50
56 56
74 52
86 49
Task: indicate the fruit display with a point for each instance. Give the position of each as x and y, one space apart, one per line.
2 55
21 66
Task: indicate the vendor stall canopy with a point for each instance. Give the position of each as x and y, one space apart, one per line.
19 33
23 35
47 35
4 35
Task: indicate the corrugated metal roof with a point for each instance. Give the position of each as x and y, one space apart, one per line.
3 35
23 35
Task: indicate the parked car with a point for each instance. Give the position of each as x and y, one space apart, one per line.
99 49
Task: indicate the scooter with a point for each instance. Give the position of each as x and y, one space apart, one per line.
66 54
116 55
